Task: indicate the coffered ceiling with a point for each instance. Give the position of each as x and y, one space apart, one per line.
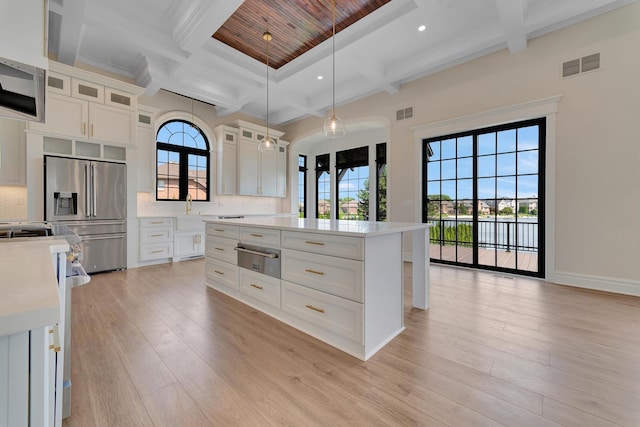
212 50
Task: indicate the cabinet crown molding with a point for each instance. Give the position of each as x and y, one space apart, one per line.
95 78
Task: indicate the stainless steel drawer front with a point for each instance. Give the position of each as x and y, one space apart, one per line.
259 259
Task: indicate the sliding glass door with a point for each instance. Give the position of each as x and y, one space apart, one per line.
484 198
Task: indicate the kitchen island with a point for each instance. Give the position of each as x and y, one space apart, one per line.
339 281
31 330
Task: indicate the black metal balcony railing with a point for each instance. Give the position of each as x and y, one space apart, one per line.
501 235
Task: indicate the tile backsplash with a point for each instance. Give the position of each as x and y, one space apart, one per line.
13 203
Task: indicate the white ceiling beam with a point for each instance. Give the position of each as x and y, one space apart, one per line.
125 28
374 72
512 17
72 19
201 21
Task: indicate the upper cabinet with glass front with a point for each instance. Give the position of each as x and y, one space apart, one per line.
88 106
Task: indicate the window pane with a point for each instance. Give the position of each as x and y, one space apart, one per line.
465 146
487 188
433 170
528 138
353 193
465 189
528 162
448 149
506 164
435 149
528 186
323 208
465 168
487 166
448 169
507 187
486 143
449 190
507 141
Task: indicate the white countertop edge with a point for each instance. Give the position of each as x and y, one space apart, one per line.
38 315
335 227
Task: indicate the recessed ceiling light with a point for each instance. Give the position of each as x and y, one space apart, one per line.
320 77
422 28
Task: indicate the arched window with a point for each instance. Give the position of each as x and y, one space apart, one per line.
182 162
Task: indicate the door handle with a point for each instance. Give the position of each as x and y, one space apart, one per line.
93 181
87 190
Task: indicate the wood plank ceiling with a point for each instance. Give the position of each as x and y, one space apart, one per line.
296 26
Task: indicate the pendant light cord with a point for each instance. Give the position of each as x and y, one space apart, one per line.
333 41
267 37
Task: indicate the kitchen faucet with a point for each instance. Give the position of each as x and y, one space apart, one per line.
189 203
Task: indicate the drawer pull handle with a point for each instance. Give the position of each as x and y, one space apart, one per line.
256 235
219 230
320 273
311 242
219 249
310 307
157 235
219 272
157 252
157 222
253 285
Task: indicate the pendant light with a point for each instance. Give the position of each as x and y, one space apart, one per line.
267 144
333 126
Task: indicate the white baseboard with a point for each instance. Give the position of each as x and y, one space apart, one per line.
598 283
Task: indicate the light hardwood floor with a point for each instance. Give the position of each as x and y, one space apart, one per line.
155 347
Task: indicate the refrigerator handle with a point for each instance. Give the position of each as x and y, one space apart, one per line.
93 190
87 183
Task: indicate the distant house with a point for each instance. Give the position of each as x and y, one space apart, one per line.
324 207
446 207
506 203
350 207
168 182
483 208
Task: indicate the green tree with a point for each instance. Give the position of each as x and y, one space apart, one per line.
523 210
507 211
462 210
363 201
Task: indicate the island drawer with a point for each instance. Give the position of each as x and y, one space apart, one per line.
266 237
337 315
221 249
222 230
222 274
327 244
260 287
337 276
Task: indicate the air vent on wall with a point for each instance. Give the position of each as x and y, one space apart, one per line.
581 65
405 113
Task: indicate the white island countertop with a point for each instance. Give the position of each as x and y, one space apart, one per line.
327 226
29 296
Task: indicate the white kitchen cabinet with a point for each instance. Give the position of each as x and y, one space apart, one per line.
80 108
261 173
12 152
221 258
188 244
156 239
226 161
64 116
146 144
248 163
23 31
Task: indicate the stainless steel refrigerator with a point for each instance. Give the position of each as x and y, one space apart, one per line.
90 197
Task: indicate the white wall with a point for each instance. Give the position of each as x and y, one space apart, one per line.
597 153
